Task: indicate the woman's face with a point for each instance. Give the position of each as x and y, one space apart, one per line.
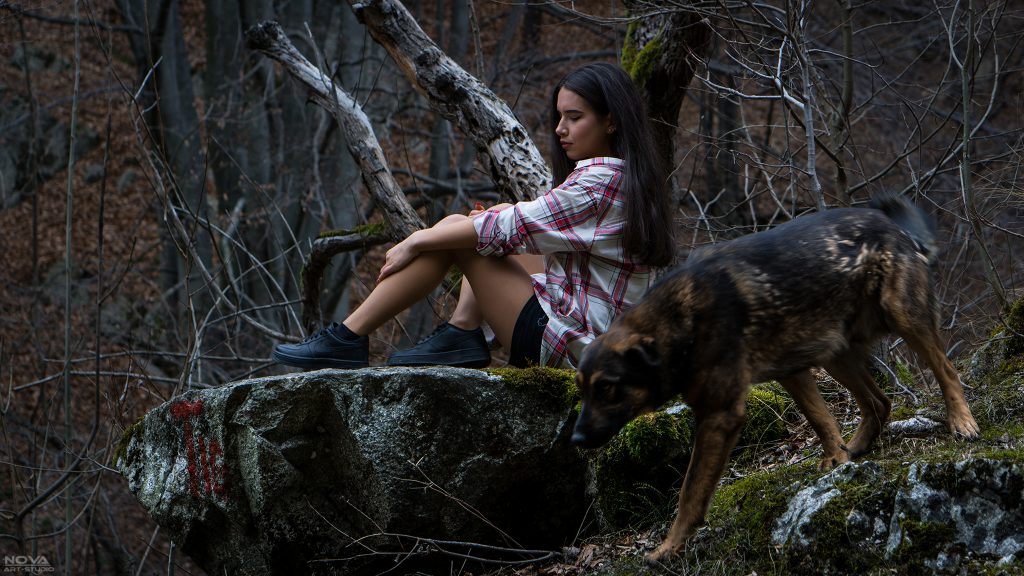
581 131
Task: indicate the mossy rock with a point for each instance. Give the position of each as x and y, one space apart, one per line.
637 477
769 410
641 468
1015 334
995 375
737 538
921 540
557 384
130 432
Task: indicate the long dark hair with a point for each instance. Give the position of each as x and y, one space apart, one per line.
609 90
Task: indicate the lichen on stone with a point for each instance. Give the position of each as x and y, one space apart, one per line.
122 446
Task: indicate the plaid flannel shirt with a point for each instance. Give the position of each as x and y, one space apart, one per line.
588 278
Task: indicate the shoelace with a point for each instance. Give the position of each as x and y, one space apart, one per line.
437 330
321 332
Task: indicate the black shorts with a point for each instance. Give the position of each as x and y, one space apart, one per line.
527 335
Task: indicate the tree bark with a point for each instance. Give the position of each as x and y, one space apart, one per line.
514 163
660 53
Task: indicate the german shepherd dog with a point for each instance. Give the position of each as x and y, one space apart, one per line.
817 291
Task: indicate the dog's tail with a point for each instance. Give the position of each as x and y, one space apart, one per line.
915 222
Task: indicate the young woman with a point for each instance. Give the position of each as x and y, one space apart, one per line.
590 245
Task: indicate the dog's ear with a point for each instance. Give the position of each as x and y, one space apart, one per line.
643 353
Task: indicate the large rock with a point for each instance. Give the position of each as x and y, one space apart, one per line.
928 518
319 472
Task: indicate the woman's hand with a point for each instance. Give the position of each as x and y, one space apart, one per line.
399 256
479 208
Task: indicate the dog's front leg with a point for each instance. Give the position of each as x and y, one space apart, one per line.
717 433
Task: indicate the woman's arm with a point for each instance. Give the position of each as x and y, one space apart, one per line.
456 233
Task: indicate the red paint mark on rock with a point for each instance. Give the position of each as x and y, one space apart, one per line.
208 465
185 409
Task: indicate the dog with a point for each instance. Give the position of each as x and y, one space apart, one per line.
817 291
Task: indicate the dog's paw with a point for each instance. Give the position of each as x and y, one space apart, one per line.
964 426
663 553
831 461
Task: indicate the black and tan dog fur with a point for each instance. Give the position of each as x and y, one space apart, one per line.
815 292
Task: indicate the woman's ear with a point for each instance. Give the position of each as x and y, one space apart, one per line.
609 124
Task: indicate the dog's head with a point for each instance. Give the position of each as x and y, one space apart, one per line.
618 379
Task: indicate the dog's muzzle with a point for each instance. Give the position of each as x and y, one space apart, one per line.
585 435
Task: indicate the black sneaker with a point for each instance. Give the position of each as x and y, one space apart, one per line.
447 345
325 349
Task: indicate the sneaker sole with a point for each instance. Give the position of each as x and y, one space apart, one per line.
434 361
302 362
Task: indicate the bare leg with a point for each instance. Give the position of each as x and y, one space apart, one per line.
467 313
500 289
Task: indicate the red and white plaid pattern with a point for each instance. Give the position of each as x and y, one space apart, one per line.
588 278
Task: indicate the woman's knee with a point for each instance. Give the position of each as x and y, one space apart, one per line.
451 219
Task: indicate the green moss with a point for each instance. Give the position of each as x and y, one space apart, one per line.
639 471
1015 323
740 522
1015 456
901 412
640 63
371 229
1009 431
557 384
920 542
769 410
903 373
629 46
122 446
643 65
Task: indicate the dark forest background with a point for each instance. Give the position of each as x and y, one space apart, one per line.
162 186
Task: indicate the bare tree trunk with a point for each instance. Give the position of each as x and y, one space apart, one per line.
339 171
161 47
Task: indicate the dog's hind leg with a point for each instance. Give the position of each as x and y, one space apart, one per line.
804 390
852 371
717 430
927 345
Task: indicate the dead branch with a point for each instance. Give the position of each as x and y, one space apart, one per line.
320 255
513 160
270 39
